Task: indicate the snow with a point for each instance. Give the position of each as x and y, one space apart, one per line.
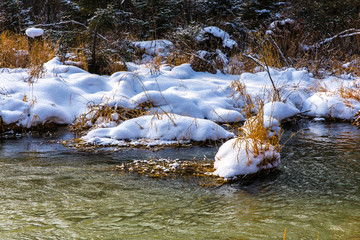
277 23
185 105
34 32
160 127
328 106
65 92
280 110
152 48
237 157
217 32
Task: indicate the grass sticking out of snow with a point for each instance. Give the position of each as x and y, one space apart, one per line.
78 57
177 58
357 120
154 65
41 51
17 52
259 137
103 115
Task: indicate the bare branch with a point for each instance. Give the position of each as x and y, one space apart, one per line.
342 34
70 22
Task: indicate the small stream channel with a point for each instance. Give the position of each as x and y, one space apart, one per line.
51 192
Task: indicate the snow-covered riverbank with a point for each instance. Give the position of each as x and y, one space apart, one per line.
183 104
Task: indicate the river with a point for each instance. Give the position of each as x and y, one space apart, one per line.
52 192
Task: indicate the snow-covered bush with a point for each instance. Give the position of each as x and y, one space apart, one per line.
204 61
213 38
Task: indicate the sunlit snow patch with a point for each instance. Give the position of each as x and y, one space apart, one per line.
330 106
159 128
244 156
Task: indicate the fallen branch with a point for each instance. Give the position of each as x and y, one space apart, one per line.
267 69
342 34
69 22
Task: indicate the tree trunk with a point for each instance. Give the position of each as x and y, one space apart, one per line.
92 65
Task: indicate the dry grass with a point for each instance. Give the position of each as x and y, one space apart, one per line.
103 113
13 50
240 93
349 93
318 86
177 58
239 64
116 66
154 65
16 51
41 51
350 66
79 57
257 138
262 139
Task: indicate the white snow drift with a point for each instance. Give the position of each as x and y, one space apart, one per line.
159 127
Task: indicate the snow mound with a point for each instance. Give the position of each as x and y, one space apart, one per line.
155 47
237 157
165 127
330 106
217 32
34 32
280 110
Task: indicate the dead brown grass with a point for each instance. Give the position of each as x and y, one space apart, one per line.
13 50
155 64
262 139
102 113
17 52
79 57
239 64
177 58
40 52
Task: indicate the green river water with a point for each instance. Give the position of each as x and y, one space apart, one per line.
51 192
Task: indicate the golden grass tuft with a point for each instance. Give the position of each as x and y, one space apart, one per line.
17 51
349 93
116 66
254 134
154 65
41 51
261 138
177 58
79 57
13 50
103 113
239 64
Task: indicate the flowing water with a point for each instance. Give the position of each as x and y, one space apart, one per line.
50 192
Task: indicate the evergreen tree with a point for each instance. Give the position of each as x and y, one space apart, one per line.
13 15
156 17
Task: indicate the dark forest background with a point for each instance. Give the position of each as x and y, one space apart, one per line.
113 23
